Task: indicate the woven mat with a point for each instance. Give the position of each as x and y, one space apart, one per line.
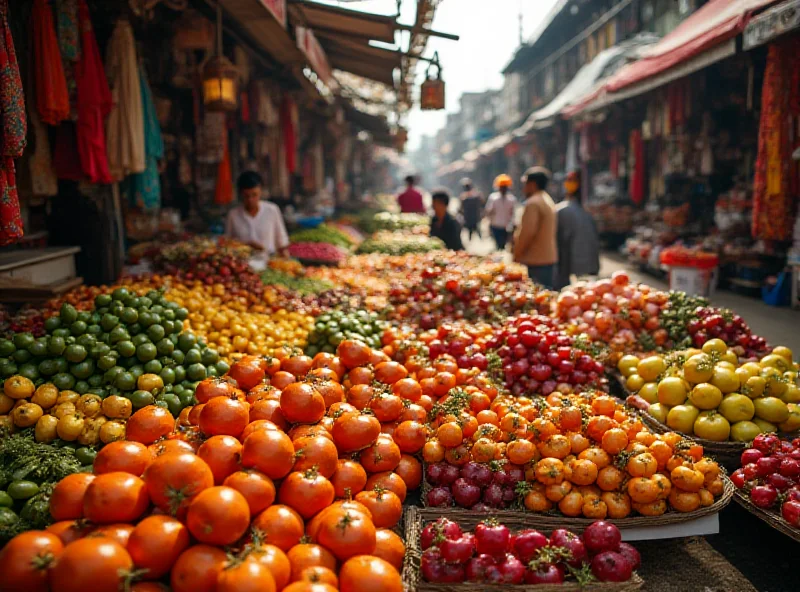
688 565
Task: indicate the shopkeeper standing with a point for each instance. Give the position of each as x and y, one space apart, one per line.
256 222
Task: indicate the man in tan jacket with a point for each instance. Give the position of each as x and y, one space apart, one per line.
535 243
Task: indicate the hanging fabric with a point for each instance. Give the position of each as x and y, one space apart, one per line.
44 182
223 191
289 127
13 127
144 189
775 187
94 104
69 39
66 158
636 184
52 97
125 129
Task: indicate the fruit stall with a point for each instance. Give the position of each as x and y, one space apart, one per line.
391 416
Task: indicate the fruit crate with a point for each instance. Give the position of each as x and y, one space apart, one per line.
555 519
774 519
416 519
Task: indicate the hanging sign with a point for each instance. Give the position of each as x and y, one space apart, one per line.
309 45
278 9
772 23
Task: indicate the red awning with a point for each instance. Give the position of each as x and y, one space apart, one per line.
712 25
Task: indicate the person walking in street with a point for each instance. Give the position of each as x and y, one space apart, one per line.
410 200
471 208
443 225
577 239
256 222
500 210
535 243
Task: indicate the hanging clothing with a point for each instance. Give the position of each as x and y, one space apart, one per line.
223 192
144 189
94 105
13 132
66 158
776 185
636 184
44 182
69 38
52 96
125 130
289 127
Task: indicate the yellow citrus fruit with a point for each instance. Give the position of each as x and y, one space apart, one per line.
705 396
765 426
771 409
627 365
671 391
725 379
698 369
711 425
755 386
649 392
634 382
737 407
784 352
744 431
715 345
681 418
651 367
792 423
659 412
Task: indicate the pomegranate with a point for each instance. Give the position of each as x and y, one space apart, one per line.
790 510
527 542
601 536
512 570
631 554
492 538
439 497
547 573
764 496
442 528
477 566
458 550
572 543
464 493
610 566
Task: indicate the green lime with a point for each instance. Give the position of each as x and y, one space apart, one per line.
38 349
95 380
62 332
156 333
153 367
126 349
75 353
109 321
94 330
64 381
178 356
165 347
8 517
61 365
146 352
137 370
68 314
135 329
56 346
98 351
22 490
147 318
139 339
118 334
102 300
129 316
81 387
87 341
186 341
7 368
85 455
6 501
99 391
120 294
193 356
85 316
78 328
167 375
146 301
106 362
127 363
173 403
211 371
29 371
47 368
196 372
312 350
222 367
23 340
52 324
82 370
125 381
180 373
21 356
6 348
209 356
141 399
111 374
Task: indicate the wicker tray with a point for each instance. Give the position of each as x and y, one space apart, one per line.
415 520
553 520
769 516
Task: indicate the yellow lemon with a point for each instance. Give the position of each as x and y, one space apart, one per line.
744 431
725 379
627 365
698 368
792 423
681 418
705 396
651 367
659 412
737 407
771 409
634 382
715 345
671 391
649 392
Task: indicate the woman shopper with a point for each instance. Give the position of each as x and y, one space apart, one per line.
500 210
577 238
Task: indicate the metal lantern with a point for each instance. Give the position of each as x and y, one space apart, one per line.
431 95
220 78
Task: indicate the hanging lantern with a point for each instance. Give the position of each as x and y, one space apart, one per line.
431 95
220 78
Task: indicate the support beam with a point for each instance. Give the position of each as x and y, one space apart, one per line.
429 32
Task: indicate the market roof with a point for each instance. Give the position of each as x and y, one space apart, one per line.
264 30
705 37
374 124
585 80
360 58
343 22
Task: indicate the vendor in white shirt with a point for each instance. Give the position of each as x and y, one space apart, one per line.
255 222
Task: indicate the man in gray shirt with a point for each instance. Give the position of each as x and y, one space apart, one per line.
577 238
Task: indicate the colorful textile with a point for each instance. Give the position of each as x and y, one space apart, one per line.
289 127
776 188
144 189
52 96
94 105
69 38
44 182
223 192
125 128
636 184
14 132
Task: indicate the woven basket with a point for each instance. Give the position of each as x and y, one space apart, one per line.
551 520
728 454
415 520
774 519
